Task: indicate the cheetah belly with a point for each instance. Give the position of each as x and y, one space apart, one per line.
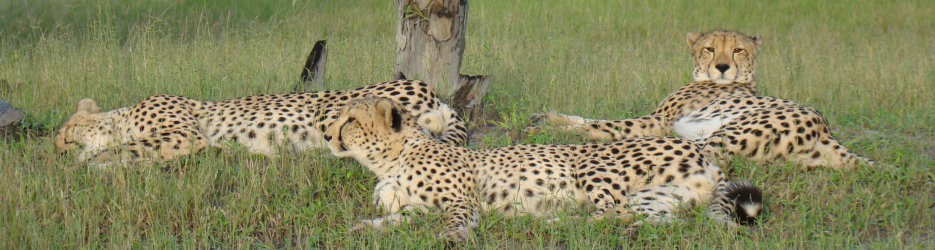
700 124
530 180
530 198
694 128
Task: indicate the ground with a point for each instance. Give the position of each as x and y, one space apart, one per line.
867 67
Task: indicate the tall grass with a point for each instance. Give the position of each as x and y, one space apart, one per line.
869 66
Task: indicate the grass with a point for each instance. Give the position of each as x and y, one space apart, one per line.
869 66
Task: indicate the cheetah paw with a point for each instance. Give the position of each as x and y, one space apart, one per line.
631 232
365 225
456 235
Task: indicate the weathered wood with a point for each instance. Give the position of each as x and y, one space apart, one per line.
430 44
313 73
466 100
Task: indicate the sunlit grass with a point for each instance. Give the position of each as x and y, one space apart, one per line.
868 66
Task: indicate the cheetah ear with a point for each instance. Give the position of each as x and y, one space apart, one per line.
88 105
391 115
756 40
397 119
692 37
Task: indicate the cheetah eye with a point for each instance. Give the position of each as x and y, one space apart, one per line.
738 50
709 49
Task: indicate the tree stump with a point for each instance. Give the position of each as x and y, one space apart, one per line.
430 43
313 73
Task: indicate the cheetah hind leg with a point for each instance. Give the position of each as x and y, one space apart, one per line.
607 206
830 153
809 148
652 125
659 203
555 120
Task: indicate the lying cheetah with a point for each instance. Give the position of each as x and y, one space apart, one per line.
164 127
646 176
722 109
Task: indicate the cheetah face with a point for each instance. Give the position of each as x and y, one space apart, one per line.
82 130
723 57
365 127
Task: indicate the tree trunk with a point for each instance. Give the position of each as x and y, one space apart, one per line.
313 73
430 42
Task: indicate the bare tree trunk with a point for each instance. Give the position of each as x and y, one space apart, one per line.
430 42
313 73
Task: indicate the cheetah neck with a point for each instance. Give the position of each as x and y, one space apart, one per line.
752 84
388 160
119 119
117 124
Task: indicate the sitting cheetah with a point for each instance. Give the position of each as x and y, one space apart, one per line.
164 127
722 109
646 176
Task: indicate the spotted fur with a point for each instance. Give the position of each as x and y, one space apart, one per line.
164 127
645 176
722 110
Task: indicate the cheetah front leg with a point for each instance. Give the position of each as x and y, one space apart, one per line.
604 129
402 216
167 145
391 196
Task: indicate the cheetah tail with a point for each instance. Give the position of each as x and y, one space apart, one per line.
737 202
847 160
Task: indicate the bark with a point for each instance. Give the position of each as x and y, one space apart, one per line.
430 43
313 73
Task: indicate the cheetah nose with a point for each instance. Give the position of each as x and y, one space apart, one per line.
327 137
722 67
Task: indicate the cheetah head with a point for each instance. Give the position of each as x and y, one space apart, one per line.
723 57
84 129
369 130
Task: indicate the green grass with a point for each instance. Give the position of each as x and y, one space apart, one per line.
869 66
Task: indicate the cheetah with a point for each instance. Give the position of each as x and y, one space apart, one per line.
721 109
164 127
646 176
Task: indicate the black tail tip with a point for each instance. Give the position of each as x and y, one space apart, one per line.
748 202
